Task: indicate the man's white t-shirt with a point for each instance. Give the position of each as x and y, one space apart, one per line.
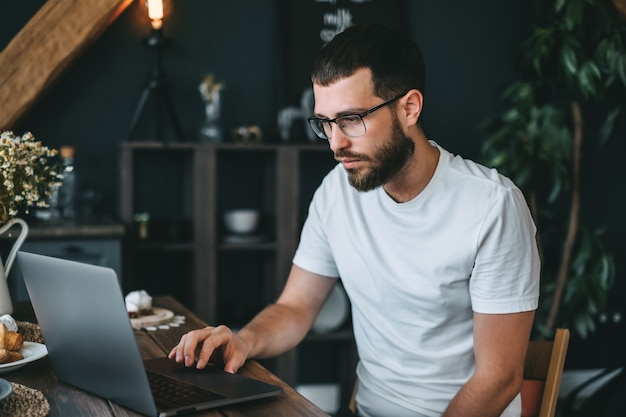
416 271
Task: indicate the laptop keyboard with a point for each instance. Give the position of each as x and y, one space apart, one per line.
169 393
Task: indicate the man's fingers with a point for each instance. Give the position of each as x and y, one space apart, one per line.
186 349
216 338
200 346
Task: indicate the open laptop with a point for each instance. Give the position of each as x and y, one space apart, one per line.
82 314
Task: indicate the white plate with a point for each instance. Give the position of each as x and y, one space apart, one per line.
242 238
334 312
31 352
5 389
160 316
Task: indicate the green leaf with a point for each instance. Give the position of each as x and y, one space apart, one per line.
586 82
609 123
568 58
621 68
538 47
607 273
581 327
558 5
574 13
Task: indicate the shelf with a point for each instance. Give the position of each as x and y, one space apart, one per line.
163 246
263 246
193 184
96 228
321 146
343 334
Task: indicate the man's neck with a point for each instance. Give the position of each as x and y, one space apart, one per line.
416 174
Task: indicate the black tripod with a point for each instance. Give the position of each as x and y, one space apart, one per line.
158 84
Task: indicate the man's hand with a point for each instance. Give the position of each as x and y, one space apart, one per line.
211 344
276 329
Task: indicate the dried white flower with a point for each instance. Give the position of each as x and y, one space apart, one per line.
209 89
28 177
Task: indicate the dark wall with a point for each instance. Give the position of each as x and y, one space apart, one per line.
92 104
470 50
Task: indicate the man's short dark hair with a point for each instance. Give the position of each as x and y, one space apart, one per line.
394 59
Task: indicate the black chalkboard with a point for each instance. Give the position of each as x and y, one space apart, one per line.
307 25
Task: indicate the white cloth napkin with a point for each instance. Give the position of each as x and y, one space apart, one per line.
9 322
137 301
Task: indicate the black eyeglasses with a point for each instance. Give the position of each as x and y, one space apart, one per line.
352 125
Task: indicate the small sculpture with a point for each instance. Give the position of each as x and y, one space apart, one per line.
287 115
211 131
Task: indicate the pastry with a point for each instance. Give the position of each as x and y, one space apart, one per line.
15 356
10 340
5 355
10 345
8 356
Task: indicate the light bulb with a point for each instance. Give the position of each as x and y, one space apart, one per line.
155 13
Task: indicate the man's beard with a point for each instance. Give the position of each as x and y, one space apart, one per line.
386 163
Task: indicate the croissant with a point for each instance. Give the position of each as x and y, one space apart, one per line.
11 341
8 356
15 356
5 356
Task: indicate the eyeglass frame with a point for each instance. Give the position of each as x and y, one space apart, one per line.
359 115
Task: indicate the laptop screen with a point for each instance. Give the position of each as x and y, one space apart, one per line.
82 314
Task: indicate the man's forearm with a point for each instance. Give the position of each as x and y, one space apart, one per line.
275 330
481 399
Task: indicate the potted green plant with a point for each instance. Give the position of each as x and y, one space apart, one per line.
573 65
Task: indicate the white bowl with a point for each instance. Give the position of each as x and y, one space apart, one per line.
334 313
241 220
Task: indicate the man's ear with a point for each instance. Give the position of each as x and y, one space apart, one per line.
413 106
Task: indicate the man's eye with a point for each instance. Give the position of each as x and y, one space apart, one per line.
322 123
349 120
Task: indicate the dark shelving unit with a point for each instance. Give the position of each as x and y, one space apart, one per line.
185 188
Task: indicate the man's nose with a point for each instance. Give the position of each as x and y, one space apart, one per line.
338 139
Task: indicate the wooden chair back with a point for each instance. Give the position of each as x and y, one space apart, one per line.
544 361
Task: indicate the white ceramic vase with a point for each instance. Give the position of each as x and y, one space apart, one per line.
211 130
6 306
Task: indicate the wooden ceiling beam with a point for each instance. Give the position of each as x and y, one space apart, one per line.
53 38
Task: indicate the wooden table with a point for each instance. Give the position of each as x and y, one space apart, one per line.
66 400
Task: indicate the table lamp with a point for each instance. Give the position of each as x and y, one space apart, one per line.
157 83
